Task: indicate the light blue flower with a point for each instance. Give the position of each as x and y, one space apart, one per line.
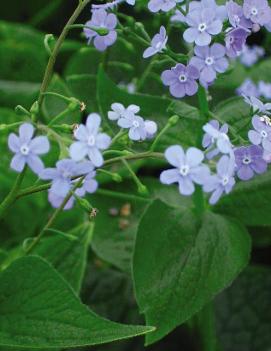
27 149
90 141
218 137
188 169
158 43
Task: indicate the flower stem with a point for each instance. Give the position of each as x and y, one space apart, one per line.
11 197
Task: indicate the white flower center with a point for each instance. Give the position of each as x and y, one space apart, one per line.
136 124
225 180
254 11
264 134
224 136
24 149
246 160
91 140
236 19
202 27
184 170
182 78
158 45
209 60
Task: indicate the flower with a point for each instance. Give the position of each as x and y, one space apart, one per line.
257 11
61 176
236 15
203 24
136 126
249 159
257 105
217 136
248 88
27 149
209 60
250 55
219 10
158 43
90 141
235 41
89 185
118 111
111 5
264 89
223 181
151 128
181 80
56 201
163 5
261 133
102 20
208 141
188 168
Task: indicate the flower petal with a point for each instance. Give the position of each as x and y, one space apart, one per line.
78 150
39 145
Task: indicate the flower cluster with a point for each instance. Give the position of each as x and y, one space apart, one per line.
249 88
127 118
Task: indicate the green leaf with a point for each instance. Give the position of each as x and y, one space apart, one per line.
249 201
38 309
18 93
177 263
68 256
243 312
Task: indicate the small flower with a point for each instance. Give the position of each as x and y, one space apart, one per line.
136 126
163 5
261 135
250 55
248 88
249 159
56 201
257 11
257 105
223 181
151 129
235 41
264 89
181 80
219 10
90 185
27 149
118 111
188 168
209 142
102 20
203 24
236 15
210 60
158 43
90 141
61 176
218 137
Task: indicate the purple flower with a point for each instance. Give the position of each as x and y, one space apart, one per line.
236 15
63 173
219 10
248 88
257 105
209 142
163 5
235 41
90 185
118 111
249 159
136 126
188 168
151 129
264 89
101 20
223 181
217 137
90 141
250 55
210 60
158 43
181 80
257 11
203 24
261 135
27 149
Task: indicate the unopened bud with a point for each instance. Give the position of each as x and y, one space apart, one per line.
173 120
116 177
143 190
20 110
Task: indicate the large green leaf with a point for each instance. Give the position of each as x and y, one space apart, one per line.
243 312
68 254
177 263
249 201
38 309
